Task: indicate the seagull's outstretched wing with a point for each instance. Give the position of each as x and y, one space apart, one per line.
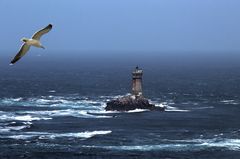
24 49
41 32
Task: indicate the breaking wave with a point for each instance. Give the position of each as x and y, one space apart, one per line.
181 145
46 135
53 101
12 128
10 116
66 112
169 108
187 106
75 106
60 106
49 107
232 102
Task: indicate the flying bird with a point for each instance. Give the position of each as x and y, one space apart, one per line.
34 41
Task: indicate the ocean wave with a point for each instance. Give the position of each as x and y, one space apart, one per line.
199 108
113 97
51 91
28 118
162 105
80 113
82 107
64 106
12 128
175 109
180 145
99 112
10 116
53 101
66 112
13 117
46 135
233 102
168 106
137 110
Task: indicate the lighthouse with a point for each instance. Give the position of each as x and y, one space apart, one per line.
135 100
137 82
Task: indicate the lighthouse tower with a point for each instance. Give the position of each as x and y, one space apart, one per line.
137 82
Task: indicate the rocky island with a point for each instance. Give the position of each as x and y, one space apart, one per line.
135 100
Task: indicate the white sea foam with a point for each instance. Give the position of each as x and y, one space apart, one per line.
51 91
12 128
53 101
66 112
231 144
86 134
99 112
180 145
17 99
175 109
17 127
29 118
161 105
69 106
2 129
169 147
210 107
11 117
46 135
65 106
116 112
233 102
168 106
137 110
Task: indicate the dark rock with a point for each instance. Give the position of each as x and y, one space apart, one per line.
131 103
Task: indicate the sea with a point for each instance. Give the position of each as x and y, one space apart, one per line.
53 107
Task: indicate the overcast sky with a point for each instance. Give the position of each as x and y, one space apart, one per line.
195 26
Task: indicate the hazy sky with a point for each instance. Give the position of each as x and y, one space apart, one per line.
124 25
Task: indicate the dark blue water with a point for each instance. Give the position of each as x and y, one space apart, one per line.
56 110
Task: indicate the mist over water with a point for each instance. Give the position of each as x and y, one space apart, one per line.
92 71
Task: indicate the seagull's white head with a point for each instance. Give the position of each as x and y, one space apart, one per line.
24 39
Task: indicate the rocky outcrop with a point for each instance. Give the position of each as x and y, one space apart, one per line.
131 103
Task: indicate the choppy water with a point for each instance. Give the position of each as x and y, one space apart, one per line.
61 115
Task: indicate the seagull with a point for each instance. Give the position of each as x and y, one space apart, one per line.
34 41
